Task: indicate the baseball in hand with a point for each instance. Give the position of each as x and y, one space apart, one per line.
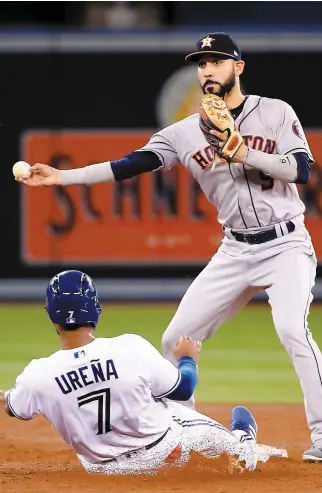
21 169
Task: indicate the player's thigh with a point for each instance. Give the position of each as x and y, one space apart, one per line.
216 294
200 432
188 416
290 292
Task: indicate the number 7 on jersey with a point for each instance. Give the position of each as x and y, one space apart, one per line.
103 398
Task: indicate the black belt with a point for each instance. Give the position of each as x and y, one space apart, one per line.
147 447
262 236
153 444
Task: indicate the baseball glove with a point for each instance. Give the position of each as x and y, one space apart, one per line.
214 115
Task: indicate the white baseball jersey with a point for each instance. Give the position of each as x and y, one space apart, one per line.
102 398
245 197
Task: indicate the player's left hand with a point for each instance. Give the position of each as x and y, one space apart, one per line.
240 155
187 347
3 395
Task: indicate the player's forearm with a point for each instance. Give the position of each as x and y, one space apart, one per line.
129 166
282 167
188 368
89 175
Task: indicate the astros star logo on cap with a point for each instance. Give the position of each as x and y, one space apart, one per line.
206 42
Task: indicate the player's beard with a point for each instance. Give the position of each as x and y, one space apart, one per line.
220 89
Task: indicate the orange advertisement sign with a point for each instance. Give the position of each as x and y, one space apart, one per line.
157 218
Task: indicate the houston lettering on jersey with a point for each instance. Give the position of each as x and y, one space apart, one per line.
260 143
86 375
204 157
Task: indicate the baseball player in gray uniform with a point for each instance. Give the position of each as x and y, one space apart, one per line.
266 245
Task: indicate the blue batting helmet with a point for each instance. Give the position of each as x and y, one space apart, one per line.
72 299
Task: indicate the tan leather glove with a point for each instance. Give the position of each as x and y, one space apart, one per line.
214 115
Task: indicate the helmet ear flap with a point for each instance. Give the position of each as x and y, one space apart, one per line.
98 307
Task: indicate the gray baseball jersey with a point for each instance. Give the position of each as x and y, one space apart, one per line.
243 196
248 199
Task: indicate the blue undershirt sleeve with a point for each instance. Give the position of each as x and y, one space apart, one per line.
188 369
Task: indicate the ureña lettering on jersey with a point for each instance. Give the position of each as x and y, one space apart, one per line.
204 157
86 375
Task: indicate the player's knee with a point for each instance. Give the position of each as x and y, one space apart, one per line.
288 329
168 342
283 333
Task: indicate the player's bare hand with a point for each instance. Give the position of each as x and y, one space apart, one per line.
220 135
3 394
42 176
187 347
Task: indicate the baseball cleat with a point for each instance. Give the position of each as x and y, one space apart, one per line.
314 454
243 421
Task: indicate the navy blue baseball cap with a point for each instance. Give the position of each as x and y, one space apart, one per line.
219 44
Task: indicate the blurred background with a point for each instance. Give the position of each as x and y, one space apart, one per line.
86 82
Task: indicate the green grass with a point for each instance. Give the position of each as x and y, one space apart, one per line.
243 362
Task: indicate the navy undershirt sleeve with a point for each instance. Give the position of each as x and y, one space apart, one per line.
134 164
303 167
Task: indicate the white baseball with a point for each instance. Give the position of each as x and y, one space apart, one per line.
21 169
